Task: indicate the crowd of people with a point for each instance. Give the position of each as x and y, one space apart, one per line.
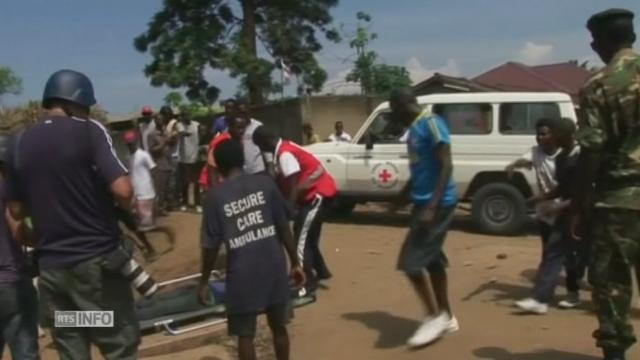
309 137
70 209
64 193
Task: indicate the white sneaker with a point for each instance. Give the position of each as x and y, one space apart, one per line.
199 209
532 306
453 325
430 330
571 302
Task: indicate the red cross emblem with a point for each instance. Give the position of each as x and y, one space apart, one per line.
385 176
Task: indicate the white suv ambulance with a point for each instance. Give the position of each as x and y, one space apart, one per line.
488 131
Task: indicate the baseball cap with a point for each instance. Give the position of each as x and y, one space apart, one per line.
130 137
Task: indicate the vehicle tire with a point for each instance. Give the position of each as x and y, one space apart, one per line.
499 209
342 207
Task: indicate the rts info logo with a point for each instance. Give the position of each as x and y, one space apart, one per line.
83 319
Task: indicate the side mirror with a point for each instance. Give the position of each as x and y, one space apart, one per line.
368 142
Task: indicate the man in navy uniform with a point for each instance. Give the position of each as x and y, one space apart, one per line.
65 175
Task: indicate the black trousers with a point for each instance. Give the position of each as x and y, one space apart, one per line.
558 251
307 229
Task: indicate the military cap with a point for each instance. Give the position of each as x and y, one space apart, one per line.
604 19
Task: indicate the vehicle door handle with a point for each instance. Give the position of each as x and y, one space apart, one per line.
363 157
405 156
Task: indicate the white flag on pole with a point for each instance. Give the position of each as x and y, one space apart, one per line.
286 72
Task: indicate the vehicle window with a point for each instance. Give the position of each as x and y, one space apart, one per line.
466 119
384 131
521 118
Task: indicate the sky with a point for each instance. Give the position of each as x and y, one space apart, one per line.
453 37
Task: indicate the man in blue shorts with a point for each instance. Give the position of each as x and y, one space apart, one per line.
434 197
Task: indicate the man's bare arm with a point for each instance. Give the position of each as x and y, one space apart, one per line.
22 234
122 191
286 237
292 182
158 145
209 257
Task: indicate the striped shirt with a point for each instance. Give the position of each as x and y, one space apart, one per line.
425 135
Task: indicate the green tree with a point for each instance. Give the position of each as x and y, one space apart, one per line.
365 60
188 37
373 78
10 83
194 108
174 99
388 77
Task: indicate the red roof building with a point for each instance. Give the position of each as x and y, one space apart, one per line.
440 84
565 77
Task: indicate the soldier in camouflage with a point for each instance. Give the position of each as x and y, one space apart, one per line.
609 137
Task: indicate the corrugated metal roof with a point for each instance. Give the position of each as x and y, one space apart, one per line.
117 118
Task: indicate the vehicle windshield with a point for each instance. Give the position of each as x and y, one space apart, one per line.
384 131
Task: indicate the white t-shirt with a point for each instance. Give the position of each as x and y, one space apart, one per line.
146 129
188 146
253 162
288 164
171 130
544 165
344 137
140 168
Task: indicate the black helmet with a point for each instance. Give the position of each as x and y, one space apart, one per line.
70 85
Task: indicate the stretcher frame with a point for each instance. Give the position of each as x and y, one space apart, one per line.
165 322
169 323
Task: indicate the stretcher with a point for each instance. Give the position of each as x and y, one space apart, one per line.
174 309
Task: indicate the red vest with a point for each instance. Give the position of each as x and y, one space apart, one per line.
324 186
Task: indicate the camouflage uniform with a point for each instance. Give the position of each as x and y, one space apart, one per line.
610 126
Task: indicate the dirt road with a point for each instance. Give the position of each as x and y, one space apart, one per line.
368 310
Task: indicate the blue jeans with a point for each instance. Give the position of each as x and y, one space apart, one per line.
19 319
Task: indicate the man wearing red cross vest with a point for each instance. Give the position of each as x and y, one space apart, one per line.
308 186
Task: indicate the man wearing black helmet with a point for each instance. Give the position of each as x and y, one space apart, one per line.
18 298
610 158
64 173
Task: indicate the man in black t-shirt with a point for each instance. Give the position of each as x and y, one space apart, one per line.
64 173
577 252
559 250
249 216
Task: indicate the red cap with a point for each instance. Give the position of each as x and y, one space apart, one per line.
147 110
130 137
